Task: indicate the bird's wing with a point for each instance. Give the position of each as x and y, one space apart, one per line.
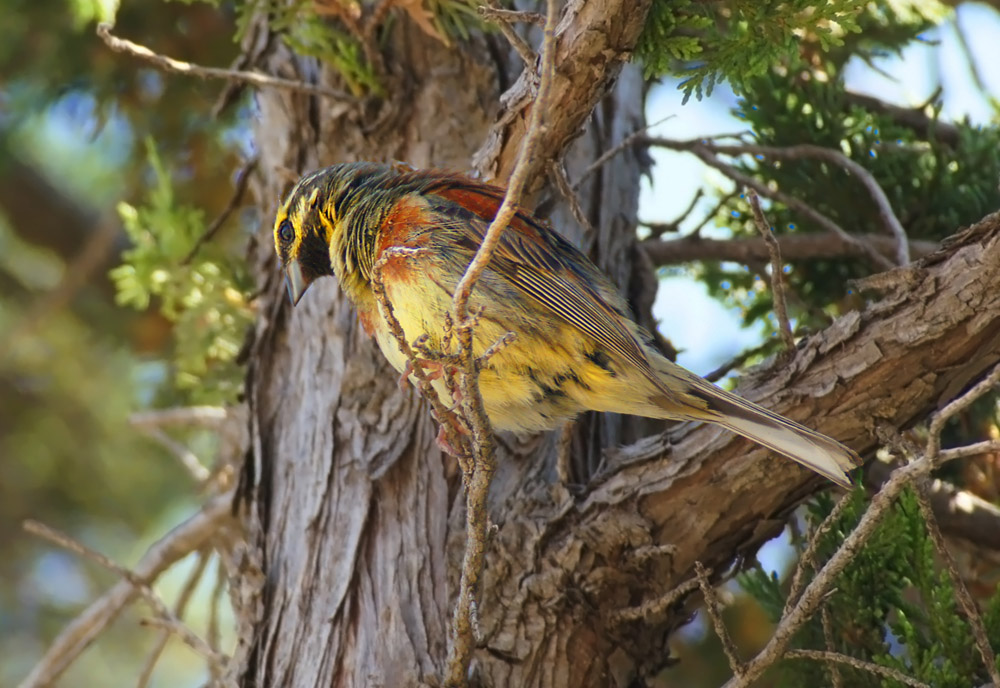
540 264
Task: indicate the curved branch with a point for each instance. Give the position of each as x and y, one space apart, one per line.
593 40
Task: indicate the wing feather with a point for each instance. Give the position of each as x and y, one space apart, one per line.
540 264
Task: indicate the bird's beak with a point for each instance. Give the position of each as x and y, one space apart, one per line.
295 282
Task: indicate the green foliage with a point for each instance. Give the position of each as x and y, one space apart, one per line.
455 19
312 29
666 38
306 32
206 298
740 40
935 183
893 605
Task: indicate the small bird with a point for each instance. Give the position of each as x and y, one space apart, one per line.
576 346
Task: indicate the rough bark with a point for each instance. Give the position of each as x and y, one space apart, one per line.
355 519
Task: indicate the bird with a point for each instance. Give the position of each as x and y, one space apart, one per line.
576 346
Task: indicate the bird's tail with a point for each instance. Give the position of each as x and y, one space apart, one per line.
813 450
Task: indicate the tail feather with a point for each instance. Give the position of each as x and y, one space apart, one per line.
813 450
818 452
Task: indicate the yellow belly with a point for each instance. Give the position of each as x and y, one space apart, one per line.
536 382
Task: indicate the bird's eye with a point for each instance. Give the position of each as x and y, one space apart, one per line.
286 233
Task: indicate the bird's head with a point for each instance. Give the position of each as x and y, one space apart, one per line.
327 225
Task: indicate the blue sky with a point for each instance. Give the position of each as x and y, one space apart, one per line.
706 332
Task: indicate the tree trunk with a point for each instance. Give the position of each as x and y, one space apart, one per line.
356 520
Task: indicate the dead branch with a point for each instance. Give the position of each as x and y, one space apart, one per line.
809 151
558 173
837 658
962 595
808 558
708 153
242 181
191 535
655 606
187 458
590 52
513 16
502 18
169 64
777 270
183 598
712 607
445 416
793 247
463 631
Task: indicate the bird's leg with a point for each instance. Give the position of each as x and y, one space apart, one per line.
432 370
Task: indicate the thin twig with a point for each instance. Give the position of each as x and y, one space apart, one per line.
179 608
656 606
207 416
838 658
808 150
558 173
462 631
80 633
445 416
817 590
138 584
735 362
708 153
815 593
213 634
807 559
187 458
836 678
984 447
169 64
171 624
777 270
636 135
957 406
242 181
496 14
712 608
512 16
658 229
962 594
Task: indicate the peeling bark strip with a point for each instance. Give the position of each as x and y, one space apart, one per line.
594 39
711 495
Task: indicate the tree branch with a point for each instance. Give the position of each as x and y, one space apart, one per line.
793 247
189 536
463 631
912 118
169 64
777 270
593 41
708 152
